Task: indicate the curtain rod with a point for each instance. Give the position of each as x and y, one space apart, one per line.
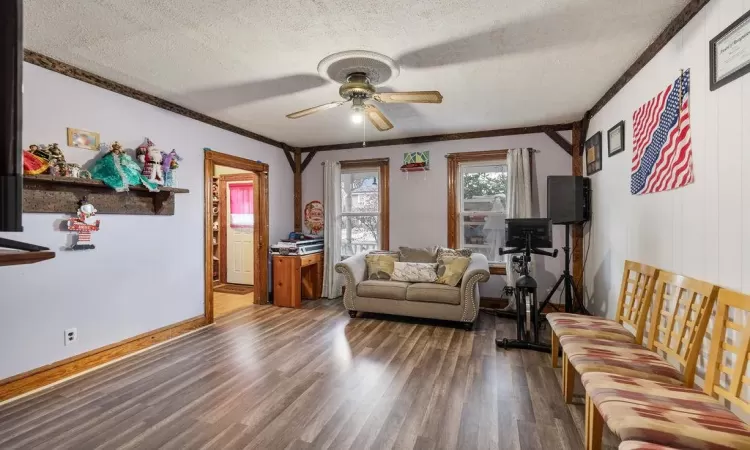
362 161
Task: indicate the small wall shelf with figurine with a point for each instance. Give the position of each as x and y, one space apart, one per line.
59 194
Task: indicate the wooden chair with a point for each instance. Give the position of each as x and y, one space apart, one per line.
636 293
684 418
682 311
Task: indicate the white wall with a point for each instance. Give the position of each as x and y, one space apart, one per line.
146 271
419 204
702 230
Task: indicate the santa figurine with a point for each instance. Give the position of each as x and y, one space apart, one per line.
151 158
84 225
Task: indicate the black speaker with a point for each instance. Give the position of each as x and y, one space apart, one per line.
568 199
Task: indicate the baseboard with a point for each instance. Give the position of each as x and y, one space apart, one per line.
52 373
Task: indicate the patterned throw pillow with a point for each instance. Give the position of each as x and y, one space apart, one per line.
465 252
451 269
414 272
380 265
418 255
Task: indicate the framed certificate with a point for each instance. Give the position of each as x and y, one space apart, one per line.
730 53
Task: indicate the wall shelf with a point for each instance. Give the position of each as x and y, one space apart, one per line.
15 258
53 194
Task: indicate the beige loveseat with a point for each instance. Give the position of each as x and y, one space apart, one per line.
428 300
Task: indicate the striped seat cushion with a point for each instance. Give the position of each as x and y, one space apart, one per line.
666 414
639 445
623 358
565 324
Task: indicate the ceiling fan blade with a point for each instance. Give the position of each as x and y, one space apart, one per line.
409 97
308 111
377 118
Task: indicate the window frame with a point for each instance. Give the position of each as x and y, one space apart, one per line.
382 166
454 177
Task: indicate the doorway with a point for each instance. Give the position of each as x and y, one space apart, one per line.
236 222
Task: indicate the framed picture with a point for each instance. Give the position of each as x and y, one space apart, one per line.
594 154
616 139
730 53
83 139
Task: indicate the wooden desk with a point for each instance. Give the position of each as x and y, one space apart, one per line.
297 277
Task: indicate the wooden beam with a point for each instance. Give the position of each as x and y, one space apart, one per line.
559 140
443 137
674 27
60 67
584 132
577 229
288 151
307 160
297 190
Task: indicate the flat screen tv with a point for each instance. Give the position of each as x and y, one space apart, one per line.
11 157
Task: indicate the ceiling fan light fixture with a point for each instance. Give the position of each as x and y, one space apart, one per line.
358 111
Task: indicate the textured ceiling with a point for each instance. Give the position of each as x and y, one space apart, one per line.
498 63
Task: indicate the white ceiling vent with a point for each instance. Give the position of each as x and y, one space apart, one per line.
378 68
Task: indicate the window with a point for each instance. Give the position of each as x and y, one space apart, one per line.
477 189
364 206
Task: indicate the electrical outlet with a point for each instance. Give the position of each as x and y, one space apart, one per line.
71 336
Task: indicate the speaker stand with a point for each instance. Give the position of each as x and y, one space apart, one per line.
567 279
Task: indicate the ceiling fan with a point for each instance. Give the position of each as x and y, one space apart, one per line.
358 72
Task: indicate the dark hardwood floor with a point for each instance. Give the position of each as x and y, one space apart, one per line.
278 378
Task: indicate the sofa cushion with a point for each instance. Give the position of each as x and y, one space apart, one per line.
394 290
414 272
451 269
466 252
433 293
380 265
418 255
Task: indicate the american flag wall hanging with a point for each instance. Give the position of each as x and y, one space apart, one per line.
662 147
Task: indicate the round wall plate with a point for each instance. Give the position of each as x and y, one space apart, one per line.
378 68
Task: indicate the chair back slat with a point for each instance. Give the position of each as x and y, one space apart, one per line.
730 341
636 294
682 311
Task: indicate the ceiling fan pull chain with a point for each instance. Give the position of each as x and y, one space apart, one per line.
364 133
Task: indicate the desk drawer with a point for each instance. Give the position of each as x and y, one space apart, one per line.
307 260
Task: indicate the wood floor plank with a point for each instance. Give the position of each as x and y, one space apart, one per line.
310 378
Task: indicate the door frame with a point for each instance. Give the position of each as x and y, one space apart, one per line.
260 232
223 225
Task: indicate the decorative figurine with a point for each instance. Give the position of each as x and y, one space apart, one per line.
33 164
85 175
84 226
151 158
54 168
170 163
118 170
73 170
314 217
56 153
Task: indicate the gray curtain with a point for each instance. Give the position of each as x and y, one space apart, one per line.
332 231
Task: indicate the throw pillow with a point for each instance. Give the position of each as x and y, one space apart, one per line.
451 269
414 272
380 265
418 255
466 252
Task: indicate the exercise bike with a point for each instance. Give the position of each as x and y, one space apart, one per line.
526 236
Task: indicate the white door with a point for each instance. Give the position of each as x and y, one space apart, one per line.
240 251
